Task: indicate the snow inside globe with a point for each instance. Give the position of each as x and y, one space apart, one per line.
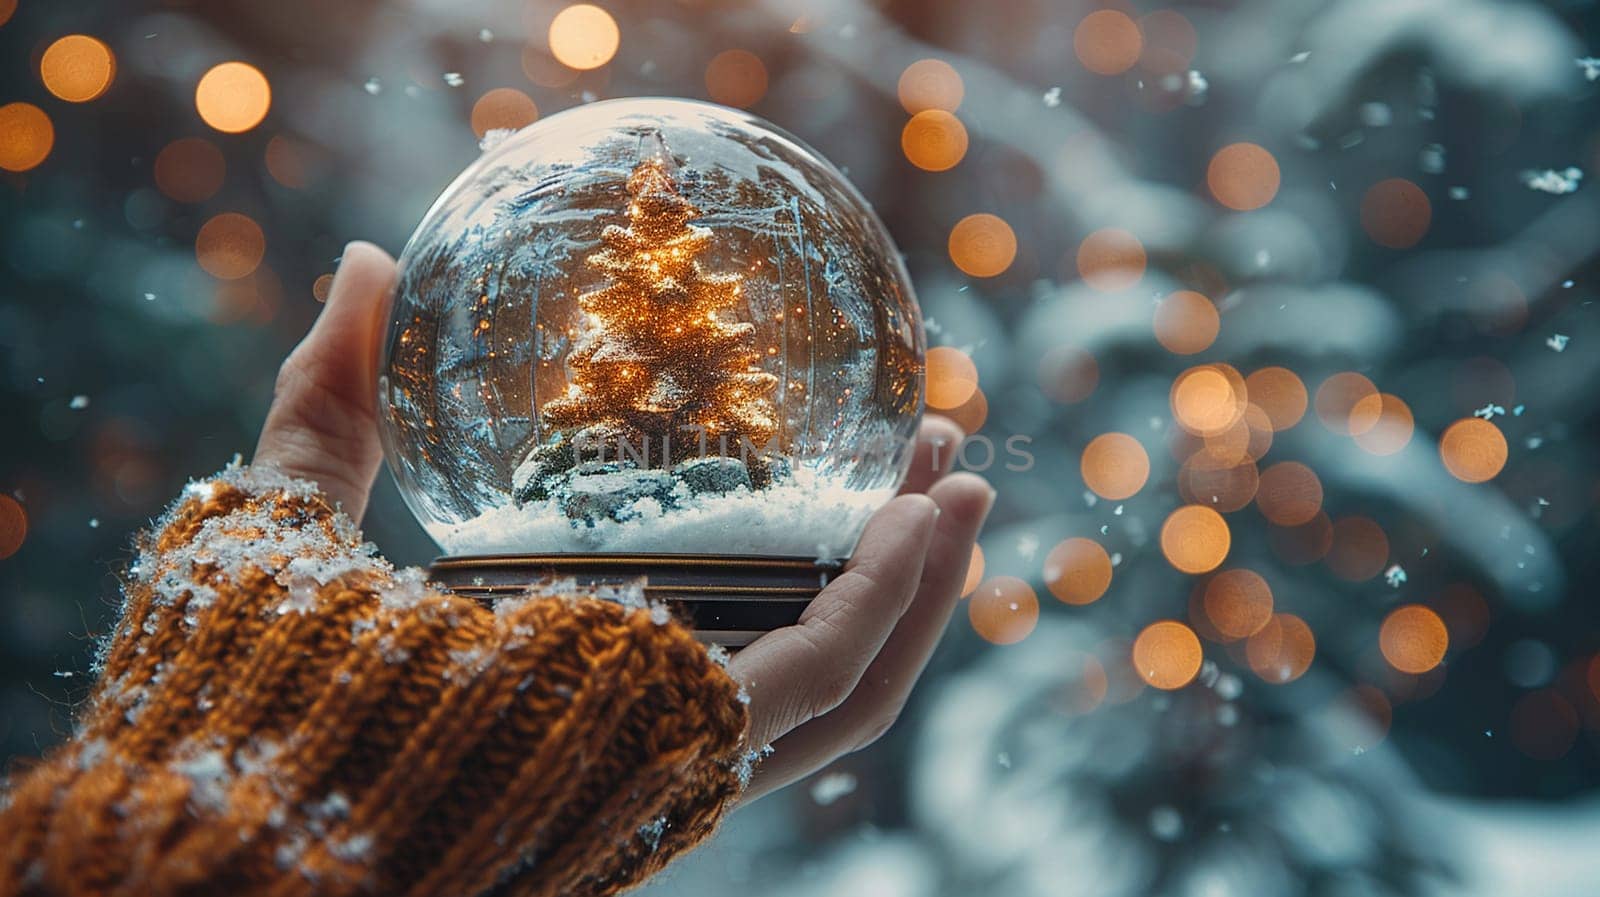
648 327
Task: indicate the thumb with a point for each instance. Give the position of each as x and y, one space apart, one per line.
323 424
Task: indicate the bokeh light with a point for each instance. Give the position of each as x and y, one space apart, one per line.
1305 544
1068 374
930 84
584 36
934 140
1003 610
7 9
542 69
982 245
736 78
974 572
1238 603
1282 650
503 108
190 170
1221 488
1395 213
1107 42
1207 400
1195 539
1167 655
1186 322
952 377
26 136
1243 176
1360 549
1338 396
233 97
1382 423
1111 260
1115 466
78 68
1290 493
1413 639
1465 614
1170 42
13 526
1278 392
289 161
230 246
1473 450
1077 571
970 415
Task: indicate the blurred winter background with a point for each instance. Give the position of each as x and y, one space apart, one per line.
1325 268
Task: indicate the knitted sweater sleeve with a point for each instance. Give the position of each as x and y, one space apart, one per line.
279 711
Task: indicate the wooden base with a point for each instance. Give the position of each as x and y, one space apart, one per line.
730 600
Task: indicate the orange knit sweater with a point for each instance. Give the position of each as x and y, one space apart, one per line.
281 712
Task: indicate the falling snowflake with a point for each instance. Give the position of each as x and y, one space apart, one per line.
454 79
486 35
1590 66
1488 411
1052 97
1394 576
373 86
1557 341
1300 57
78 403
831 787
1198 88
1459 193
1551 181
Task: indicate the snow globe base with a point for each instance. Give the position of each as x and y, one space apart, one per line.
729 600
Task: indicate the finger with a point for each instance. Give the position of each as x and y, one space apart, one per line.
799 672
323 422
937 441
876 702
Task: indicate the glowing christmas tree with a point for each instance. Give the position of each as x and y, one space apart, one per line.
658 373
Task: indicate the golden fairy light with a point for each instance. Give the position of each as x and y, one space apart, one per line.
1338 396
1224 488
1003 610
660 360
1360 549
1413 639
1195 539
1208 399
930 84
78 68
1238 603
736 78
503 108
1279 392
1290 494
1111 260
190 170
1167 655
1281 651
1186 322
982 245
974 572
233 97
584 36
230 246
13 526
322 287
951 376
1077 571
1395 213
1115 466
1243 176
934 140
26 136
1107 42
1381 423
1473 450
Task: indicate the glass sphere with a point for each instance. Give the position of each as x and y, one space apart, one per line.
650 326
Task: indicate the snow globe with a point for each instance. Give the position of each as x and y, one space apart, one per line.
653 341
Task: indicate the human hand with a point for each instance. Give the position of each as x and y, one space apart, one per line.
823 688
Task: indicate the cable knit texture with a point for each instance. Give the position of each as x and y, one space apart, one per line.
280 712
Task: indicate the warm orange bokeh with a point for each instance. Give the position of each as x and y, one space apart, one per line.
1195 539
1077 571
1338 396
970 415
1238 603
230 246
1221 488
1107 42
26 136
1279 392
952 378
1208 399
503 108
1473 450
233 97
78 68
1360 549
584 36
982 245
1413 639
934 140
1282 650
930 84
322 287
13 526
1115 466
1395 213
1290 493
1186 322
190 170
1382 423
1111 260
1243 176
736 78
1167 655
1003 610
